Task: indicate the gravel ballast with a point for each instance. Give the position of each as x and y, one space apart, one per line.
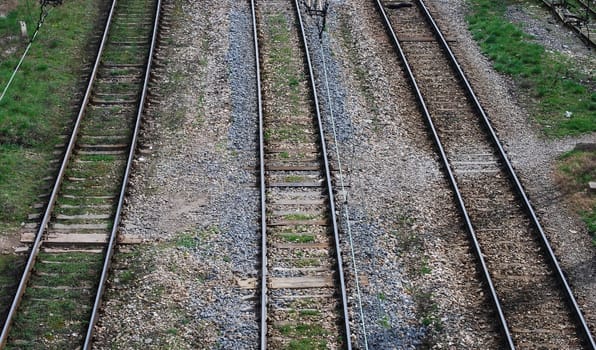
194 197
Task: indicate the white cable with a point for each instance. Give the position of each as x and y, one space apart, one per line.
14 73
344 192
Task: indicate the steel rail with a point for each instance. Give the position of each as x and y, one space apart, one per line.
472 233
114 232
340 271
263 312
263 325
586 5
590 42
54 194
513 176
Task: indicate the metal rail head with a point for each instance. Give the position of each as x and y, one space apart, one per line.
344 299
476 246
54 194
263 310
514 179
113 235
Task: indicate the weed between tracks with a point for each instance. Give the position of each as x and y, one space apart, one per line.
38 105
52 307
307 332
562 99
286 74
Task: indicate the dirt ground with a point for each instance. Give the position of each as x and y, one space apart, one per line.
6 6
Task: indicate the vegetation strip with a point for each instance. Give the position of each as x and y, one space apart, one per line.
576 169
37 108
563 100
95 175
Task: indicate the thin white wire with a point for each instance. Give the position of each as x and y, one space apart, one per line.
344 192
14 73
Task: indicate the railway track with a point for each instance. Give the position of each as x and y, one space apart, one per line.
303 298
55 306
533 301
578 15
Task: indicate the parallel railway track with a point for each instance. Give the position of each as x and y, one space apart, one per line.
533 301
59 294
578 15
303 298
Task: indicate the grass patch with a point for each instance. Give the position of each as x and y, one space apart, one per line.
428 310
385 322
310 313
294 178
298 238
191 239
37 105
287 73
299 216
187 240
562 99
290 133
307 262
575 170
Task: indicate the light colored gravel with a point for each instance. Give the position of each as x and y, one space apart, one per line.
194 198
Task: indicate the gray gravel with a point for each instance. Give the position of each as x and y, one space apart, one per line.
417 284
198 184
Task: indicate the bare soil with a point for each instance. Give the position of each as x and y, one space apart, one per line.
7 6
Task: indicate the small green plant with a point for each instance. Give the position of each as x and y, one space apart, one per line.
294 178
428 310
126 276
385 322
187 240
425 269
304 262
299 216
310 312
298 238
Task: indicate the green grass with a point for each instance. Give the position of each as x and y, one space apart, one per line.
48 312
554 86
575 170
299 216
191 238
187 240
298 238
310 313
306 262
287 73
385 322
38 105
294 178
